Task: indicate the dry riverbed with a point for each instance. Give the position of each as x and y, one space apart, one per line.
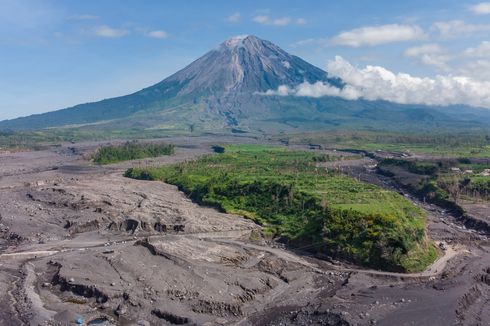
81 242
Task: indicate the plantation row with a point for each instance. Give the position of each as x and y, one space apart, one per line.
294 199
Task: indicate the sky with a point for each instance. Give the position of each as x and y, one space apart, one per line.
59 53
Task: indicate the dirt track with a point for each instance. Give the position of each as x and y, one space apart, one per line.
84 242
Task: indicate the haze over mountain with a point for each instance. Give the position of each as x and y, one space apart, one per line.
225 90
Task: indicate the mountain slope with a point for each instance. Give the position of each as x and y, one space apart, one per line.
222 91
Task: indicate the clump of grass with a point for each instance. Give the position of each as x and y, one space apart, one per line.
131 151
293 198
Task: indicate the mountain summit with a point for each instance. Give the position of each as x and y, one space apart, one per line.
244 64
223 91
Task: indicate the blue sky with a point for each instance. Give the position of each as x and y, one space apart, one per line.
54 54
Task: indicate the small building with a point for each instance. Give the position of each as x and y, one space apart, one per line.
456 170
468 172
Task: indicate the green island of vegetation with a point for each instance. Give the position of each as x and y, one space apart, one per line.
291 197
131 151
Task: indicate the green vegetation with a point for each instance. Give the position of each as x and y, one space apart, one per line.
443 181
468 144
480 185
467 187
416 167
292 198
41 139
131 151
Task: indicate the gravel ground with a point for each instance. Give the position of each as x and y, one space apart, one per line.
80 241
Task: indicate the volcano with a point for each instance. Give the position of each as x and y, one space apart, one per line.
225 89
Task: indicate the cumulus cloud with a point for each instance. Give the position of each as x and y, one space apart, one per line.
456 28
482 8
160 34
234 18
482 50
431 55
316 90
107 31
377 83
375 35
282 21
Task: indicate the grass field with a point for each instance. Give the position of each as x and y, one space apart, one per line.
294 199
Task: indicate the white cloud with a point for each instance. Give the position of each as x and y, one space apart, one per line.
481 8
315 90
261 19
455 28
416 51
375 35
311 41
377 83
234 18
266 20
106 31
478 70
301 21
160 34
431 55
282 21
482 50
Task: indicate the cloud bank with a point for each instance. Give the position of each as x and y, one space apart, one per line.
377 83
